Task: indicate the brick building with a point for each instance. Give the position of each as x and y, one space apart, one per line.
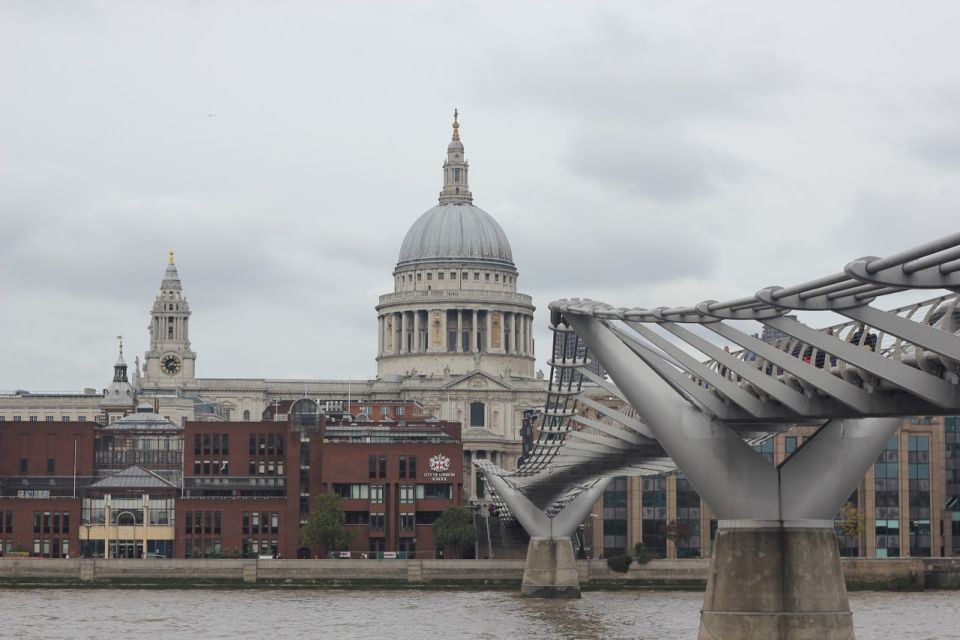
145 486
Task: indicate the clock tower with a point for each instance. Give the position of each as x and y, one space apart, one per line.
169 363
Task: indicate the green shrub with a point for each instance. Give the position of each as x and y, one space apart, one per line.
641 554
620 564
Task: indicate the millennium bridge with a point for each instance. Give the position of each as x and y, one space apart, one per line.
690 405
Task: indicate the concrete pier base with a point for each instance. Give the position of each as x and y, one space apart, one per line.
551 569
776 581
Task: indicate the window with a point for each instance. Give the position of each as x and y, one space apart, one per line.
372 463
406 494
476 275
412 469
399 411
419 277
377 521
51 465
81 418
23 465
407 521
453 275
246 415
252 445
438 491
352 491
16 418
429 276
486 277
403 466
383 467
376 493
440 275
196 445
188 522
477 414
357 517
245 522
225 444
463 276
49 418
33 418
496 277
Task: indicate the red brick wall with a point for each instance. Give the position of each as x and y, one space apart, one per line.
23 524
40 441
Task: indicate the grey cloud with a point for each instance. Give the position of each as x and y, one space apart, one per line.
625 70
648 164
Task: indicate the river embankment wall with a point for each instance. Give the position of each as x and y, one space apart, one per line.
901 574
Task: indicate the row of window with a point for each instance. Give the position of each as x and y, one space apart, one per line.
265 444
45 419
202 522
51 522
260 522
211 444
408 521
465 275
407 466
408 492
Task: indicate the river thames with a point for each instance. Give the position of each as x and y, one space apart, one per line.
278 614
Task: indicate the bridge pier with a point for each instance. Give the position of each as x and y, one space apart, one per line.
776 579
551 568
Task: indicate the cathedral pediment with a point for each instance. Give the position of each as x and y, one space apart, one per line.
479 380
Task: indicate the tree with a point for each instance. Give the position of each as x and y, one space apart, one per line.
327 524
850 523
454 528
676 531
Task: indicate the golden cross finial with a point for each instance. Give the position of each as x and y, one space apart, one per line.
455 114
171 257
120 338
456 125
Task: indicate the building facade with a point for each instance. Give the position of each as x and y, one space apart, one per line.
143 486
907 505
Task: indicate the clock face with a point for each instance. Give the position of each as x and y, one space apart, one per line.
170 364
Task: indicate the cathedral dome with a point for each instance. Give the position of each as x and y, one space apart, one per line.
456 231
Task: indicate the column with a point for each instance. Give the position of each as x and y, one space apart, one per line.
396 333
416 332
488 331
513 333
379 336
473 333
528 334
403 332
444 332
519 323
459 331
503 331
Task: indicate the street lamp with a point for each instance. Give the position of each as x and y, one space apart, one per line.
87 526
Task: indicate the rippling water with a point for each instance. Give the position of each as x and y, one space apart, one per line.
276 614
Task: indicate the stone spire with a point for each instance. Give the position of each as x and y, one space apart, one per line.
120 396
171 279
120 368
456 188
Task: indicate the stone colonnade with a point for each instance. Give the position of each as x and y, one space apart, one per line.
464 330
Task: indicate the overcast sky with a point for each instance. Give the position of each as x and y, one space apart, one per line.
641 153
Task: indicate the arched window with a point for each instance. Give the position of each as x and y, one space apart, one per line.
246 415
305 413
477 414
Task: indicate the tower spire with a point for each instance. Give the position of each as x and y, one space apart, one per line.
456 188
